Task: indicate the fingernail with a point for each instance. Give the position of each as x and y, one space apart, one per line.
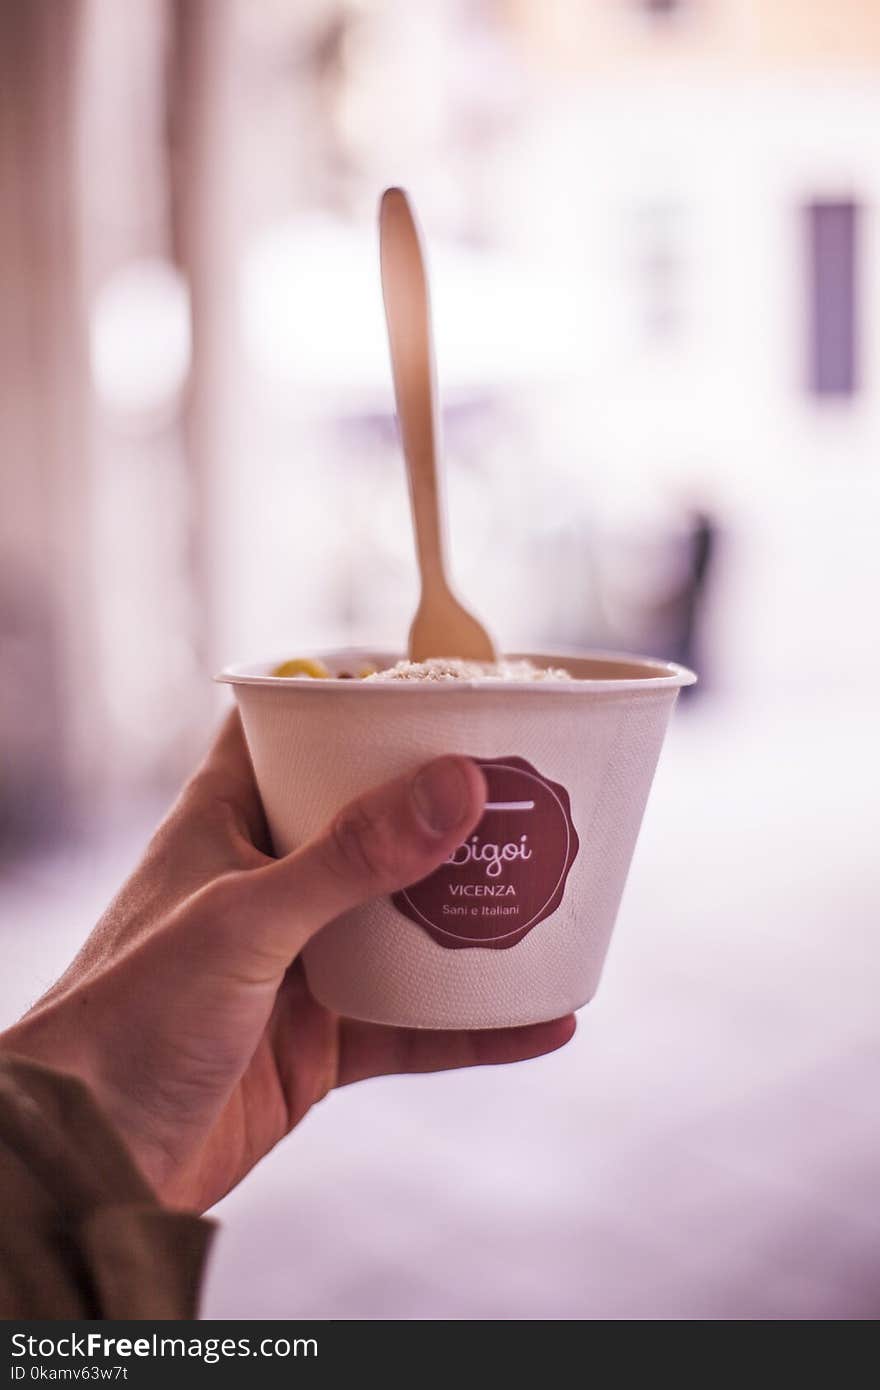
441 792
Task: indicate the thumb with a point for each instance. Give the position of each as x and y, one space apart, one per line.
388 838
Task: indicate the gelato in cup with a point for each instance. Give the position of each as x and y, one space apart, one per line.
514 927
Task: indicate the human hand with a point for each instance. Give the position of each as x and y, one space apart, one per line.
187 1010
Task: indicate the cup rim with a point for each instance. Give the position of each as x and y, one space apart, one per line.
664 675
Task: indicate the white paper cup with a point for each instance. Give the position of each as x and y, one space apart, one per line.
516 929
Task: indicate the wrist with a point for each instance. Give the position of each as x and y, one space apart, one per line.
45 1036
54 1036
42 1037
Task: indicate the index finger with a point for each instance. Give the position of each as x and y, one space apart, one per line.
227 775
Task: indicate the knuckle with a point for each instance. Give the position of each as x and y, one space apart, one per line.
363 846
224 934
203 787
220 902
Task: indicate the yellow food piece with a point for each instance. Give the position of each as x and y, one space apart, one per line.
303 666
366 671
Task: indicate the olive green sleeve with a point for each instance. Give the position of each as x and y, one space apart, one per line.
82 1235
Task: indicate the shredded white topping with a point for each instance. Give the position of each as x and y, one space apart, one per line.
438 668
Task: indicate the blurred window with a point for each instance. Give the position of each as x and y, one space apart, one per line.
141 338
832 275
659 278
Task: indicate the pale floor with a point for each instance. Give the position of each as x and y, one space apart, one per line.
707 1148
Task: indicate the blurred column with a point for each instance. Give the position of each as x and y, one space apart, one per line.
46 751
150 602
204 224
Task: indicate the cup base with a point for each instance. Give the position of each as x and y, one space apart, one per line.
467 1022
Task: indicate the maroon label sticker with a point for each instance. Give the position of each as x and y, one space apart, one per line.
510 873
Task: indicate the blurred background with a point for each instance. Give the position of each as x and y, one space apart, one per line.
655 254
